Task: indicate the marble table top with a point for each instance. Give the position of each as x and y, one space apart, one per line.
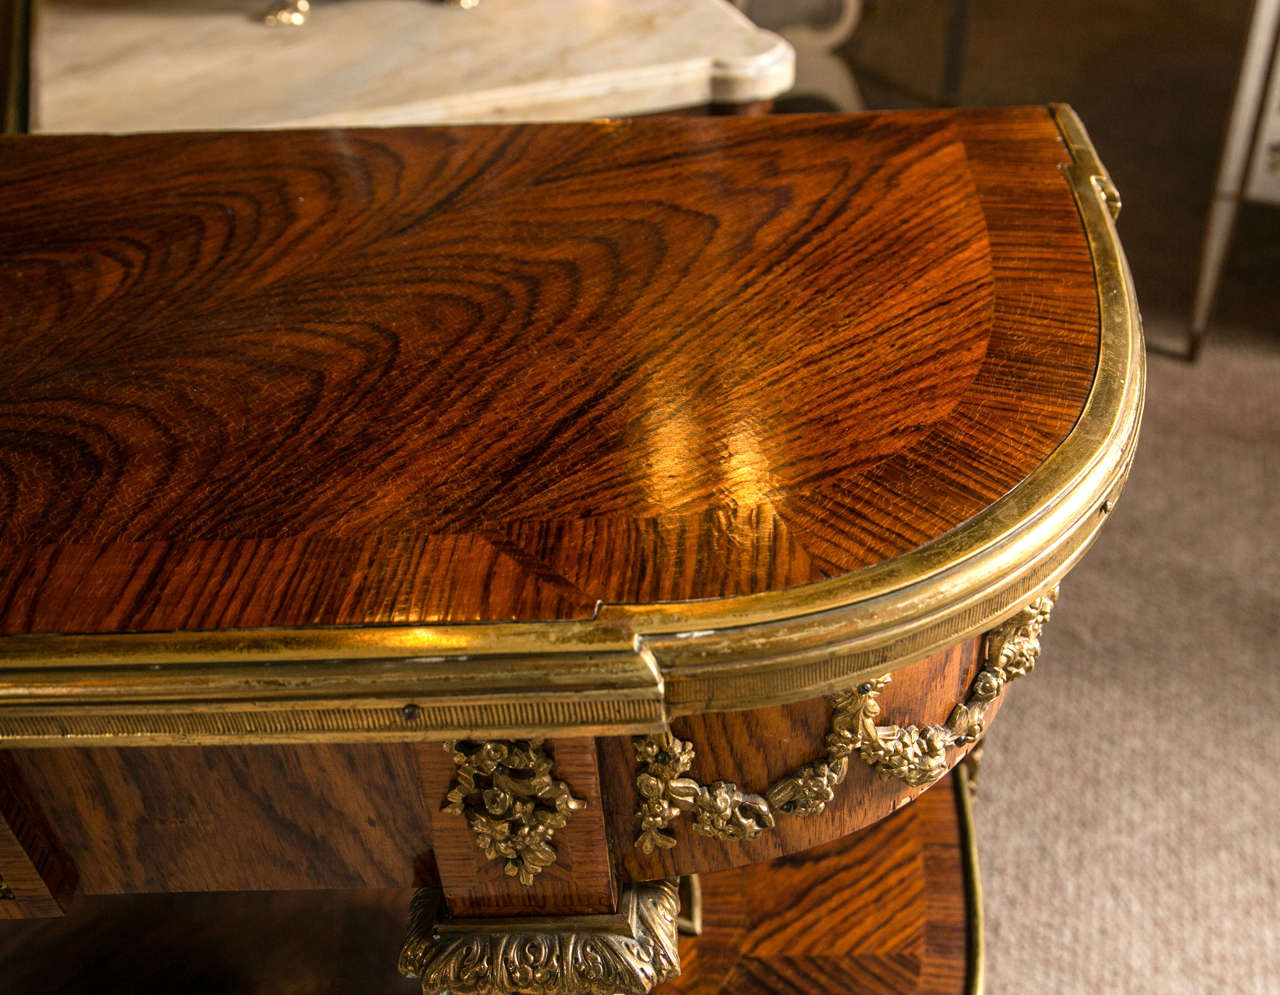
108 65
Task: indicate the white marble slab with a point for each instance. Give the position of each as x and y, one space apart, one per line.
144 65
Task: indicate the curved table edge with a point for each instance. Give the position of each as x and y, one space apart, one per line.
630 668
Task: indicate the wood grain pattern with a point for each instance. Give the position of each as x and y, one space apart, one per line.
140 819
1034 376
882 911
753 749
580 882
490 373
944 961
37 877
879 913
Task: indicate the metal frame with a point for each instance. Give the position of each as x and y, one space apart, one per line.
1229 187
15 50
963 785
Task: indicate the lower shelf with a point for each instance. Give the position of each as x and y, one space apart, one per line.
895 909
889 910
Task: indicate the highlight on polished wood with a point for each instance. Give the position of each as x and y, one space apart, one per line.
533 515
537 342
484 350
564 428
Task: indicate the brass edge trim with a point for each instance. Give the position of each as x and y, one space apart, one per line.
975 923
203 724
960 584
644 663
865 640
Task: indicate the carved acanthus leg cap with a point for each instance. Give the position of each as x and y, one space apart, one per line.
627 954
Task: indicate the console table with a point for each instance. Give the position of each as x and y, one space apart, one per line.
534 515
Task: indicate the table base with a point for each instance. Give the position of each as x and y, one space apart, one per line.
893 908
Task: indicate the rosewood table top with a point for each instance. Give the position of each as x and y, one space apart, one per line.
631 410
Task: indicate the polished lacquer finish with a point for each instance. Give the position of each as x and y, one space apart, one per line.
563 429
483 374
537 512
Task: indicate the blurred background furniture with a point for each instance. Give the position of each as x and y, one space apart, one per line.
103 65
1250 165
293 13
15 66
817 29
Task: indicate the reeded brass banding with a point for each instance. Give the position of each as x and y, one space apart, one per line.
630 668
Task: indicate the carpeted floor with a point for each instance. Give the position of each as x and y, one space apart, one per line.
1129 807
1129 812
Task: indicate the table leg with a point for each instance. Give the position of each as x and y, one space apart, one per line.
529 901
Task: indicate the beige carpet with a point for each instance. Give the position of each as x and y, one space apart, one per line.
1129 809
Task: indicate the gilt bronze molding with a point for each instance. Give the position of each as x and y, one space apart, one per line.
506 792
915 756
629 953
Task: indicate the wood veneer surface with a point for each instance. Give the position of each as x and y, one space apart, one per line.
879 913
234 818
580 882
882 911
37 877
488 373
